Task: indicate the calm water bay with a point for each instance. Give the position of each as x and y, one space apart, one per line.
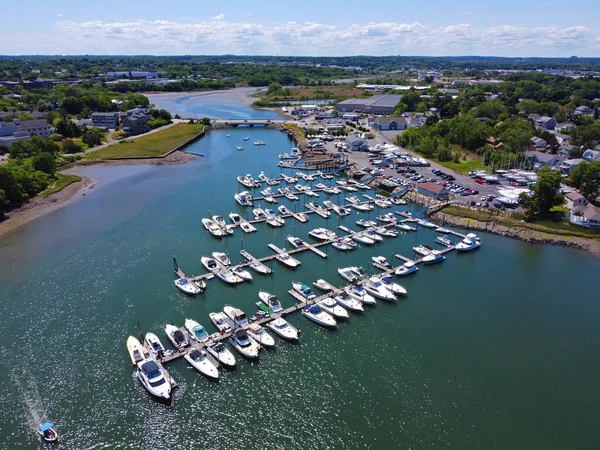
494 349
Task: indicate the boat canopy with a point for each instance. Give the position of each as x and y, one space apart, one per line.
196 354
178 336
241 335
45 426
151 369
315 309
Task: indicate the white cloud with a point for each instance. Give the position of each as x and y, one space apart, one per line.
218 36
60 15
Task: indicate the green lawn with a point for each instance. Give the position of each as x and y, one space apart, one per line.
61 182
463 167
152 145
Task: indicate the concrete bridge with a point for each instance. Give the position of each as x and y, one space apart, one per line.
252 122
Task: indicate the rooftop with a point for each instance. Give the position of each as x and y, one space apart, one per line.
432 187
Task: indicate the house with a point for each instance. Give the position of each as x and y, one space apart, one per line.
575 199
105 120
390 123
136 121
357 144
543 159
569 165
333 124
34 127
351 116
433 190
7 128
583 110
417 121
591 155
586 216
538 142
546 123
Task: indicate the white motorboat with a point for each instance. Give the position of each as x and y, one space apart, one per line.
442 230
47 432
302 217
318 209
384 231
346 274
317 315
359 293
387 218
349 242
346 187
443 240
362 207
247 227
135 350
342 246
296 242
363 186
366 223
187 287
199 361
235 218
272 220
421 250
289 179
380 262
267 191
154 378
244 344
219 221
405 227
213 228
259 214
236 315
221 258
239 147
377 289
433 257
322 234
244 274
246 138
426 224
221 354
331 307
271 301
290 196
406 268
353 200
383 203
156 347
243 198
308 191
341 210
362 238
323 285
284 210
227 276
262 176
300 188
254 264
398 201
332 190
283 329
270 199
220 321
470 242
247 181
178 338
345 300
196 331
359 272
285 258
260 335
394 288
320 186
370 233
303 290
271 215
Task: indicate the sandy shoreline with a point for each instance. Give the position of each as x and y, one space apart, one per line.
40 206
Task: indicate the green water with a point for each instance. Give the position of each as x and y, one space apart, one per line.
493 349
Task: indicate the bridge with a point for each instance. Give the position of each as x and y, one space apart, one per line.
252 122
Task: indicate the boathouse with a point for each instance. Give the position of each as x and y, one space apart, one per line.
433 190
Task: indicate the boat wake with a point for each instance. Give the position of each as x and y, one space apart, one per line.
27 391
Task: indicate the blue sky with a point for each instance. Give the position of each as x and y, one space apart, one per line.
309 27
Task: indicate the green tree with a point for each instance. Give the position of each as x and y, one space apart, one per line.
92 136
586 177
545 195
205 121
45 162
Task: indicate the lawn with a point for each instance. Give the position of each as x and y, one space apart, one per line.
61 182
296 129
151 145
463 167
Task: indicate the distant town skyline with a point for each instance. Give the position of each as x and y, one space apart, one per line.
513 28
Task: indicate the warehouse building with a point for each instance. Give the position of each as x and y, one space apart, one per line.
377 104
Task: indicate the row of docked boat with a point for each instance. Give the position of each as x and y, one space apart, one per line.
219 266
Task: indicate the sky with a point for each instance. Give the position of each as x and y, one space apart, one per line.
520 28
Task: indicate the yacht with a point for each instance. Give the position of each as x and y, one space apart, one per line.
359 293
341 245
227 276
219 221
303 290
300 188
442 230
362 238
244 344
177 337
196 331
272 220
363 186
296 242
254 264
286 259
421 250
323 285
154 378
426 224
398 201
353 200
377 289
243 273
308 191
283 329
349 242
394 288
359 272
221 258
235 218
247 181
366 223
372 235
222 355
302 217
135 350
247 227
387 218
405 227
259 214
347 274
317 315
236 315
290 196
443 240
433 257
346 187
318 209
270 301
288 179
320 186
220 321
384 231
322 234
260 335
213 228
341 210
284 210
270 199
199 361
331 307
266 192
332 190
246 138
362 206
243 198
406 268
239 147
383 203
380 262
187 287
470 242
271 215
345 300
258 143
154 344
